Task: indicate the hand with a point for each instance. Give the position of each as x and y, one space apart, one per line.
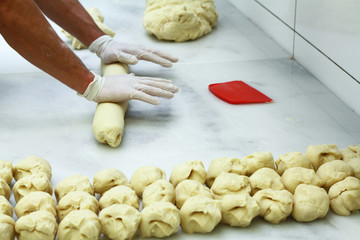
111 51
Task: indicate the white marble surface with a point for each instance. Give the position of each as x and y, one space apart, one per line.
40 116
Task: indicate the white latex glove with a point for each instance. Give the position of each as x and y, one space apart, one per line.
123 87
111 51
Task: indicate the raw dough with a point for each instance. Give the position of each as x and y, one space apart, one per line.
119 221
292 177
193 170
345 196
7 227
352 151
6 171
355 164
5 207
238 209
230 183
30 166
200 214
179 20
39 225
109 178
119 195
80 224
310 202
32 183
35 201
320 154
265 178
160 220
5 189
78 200
225 164
190 188
256 161
333 172
159 191
144 176
275 205
71 184
292 159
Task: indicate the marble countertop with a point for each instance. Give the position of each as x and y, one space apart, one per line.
42 117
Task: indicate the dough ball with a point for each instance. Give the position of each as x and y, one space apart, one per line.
238 210
320 154
7 227
355 164
275 205
255 161
6 171
310 202
193 170
230 183
292 159
190 188
200 214
144 176
225 164
77 200
5 207
80 224
333 172
39 225
160 219
292 177
32 165
109 178
119 221
119 195
352 151
345 196
35 201
265 178
5 189
71 184
32 183
159 191
179 20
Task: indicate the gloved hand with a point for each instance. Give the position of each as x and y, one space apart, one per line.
111 51
123 87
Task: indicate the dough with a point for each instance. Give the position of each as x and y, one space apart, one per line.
7 227
200 214
159 191
265 178
225 164
193 170
320 154
352 151
230 183
39 225
355 164
5 207
292 159
30 166
144 176
108 178
190 188
160 220
333 172
292 177
119 221
78 200
275 205
256 161
32 183
179 20
71 184
121 195
35 201
345 196
310 202
108 122
238 210
5 189
80 224
6 171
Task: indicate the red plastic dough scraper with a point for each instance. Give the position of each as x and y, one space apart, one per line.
238 92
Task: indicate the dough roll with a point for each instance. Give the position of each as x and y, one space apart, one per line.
108 123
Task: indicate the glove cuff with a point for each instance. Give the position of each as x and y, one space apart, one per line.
94 88
99 45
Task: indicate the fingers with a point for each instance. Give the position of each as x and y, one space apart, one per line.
154 56
126 58
138 95
161 84
147 56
